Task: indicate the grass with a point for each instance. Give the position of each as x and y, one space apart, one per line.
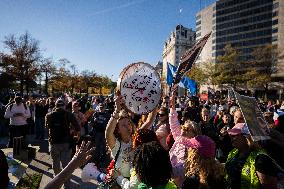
29 182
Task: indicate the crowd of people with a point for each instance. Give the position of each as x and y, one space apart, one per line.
183 143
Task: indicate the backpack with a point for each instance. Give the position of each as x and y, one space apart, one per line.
59 128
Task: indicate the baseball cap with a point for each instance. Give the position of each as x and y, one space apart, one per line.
59 102
204 145
239 128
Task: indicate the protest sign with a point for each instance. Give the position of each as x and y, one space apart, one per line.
189 58
253 116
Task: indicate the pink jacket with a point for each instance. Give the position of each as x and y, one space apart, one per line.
179 148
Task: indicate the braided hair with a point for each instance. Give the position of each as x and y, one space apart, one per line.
152 164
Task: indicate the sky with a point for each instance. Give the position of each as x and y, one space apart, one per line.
98 35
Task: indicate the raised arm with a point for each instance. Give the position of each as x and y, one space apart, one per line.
82 155
150 119
109 134
8 113
173 117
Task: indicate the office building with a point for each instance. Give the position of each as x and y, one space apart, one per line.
245 24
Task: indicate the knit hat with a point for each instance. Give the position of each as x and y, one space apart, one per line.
59 103
204 145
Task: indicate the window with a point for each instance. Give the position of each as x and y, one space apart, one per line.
198 34
275 14
274 38
274 22
198 17
198 23
275 5
275 30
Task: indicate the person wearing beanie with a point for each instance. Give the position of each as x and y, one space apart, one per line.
60 123
201 169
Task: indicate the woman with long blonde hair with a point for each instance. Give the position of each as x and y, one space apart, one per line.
202 171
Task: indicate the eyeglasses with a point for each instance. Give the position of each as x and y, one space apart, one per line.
161 115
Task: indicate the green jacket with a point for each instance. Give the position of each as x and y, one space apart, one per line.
169 185
249 179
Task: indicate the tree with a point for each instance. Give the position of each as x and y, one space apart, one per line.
85 80
229 68
74 77
203 73
262 66
23 60
48 68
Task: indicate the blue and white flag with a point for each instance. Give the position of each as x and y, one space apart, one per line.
186 83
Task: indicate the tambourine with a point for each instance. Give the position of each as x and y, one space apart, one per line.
140 86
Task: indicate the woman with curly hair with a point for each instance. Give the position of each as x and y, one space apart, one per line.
140 137
153 167
202 171
119 137
181 135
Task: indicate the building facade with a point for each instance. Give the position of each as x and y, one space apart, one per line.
179 41
245 24
204 25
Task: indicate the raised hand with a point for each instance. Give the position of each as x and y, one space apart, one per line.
173 96
118 101
83 154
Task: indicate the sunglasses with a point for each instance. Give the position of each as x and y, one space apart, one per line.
161 115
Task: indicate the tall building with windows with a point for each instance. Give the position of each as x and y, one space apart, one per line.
204 25
245 24
278 33
179 41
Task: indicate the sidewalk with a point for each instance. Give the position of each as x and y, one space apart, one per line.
42 163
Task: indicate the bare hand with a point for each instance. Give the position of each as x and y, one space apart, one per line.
116 173
83 154
173 96
118 102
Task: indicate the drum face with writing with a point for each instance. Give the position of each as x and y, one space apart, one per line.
140 86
